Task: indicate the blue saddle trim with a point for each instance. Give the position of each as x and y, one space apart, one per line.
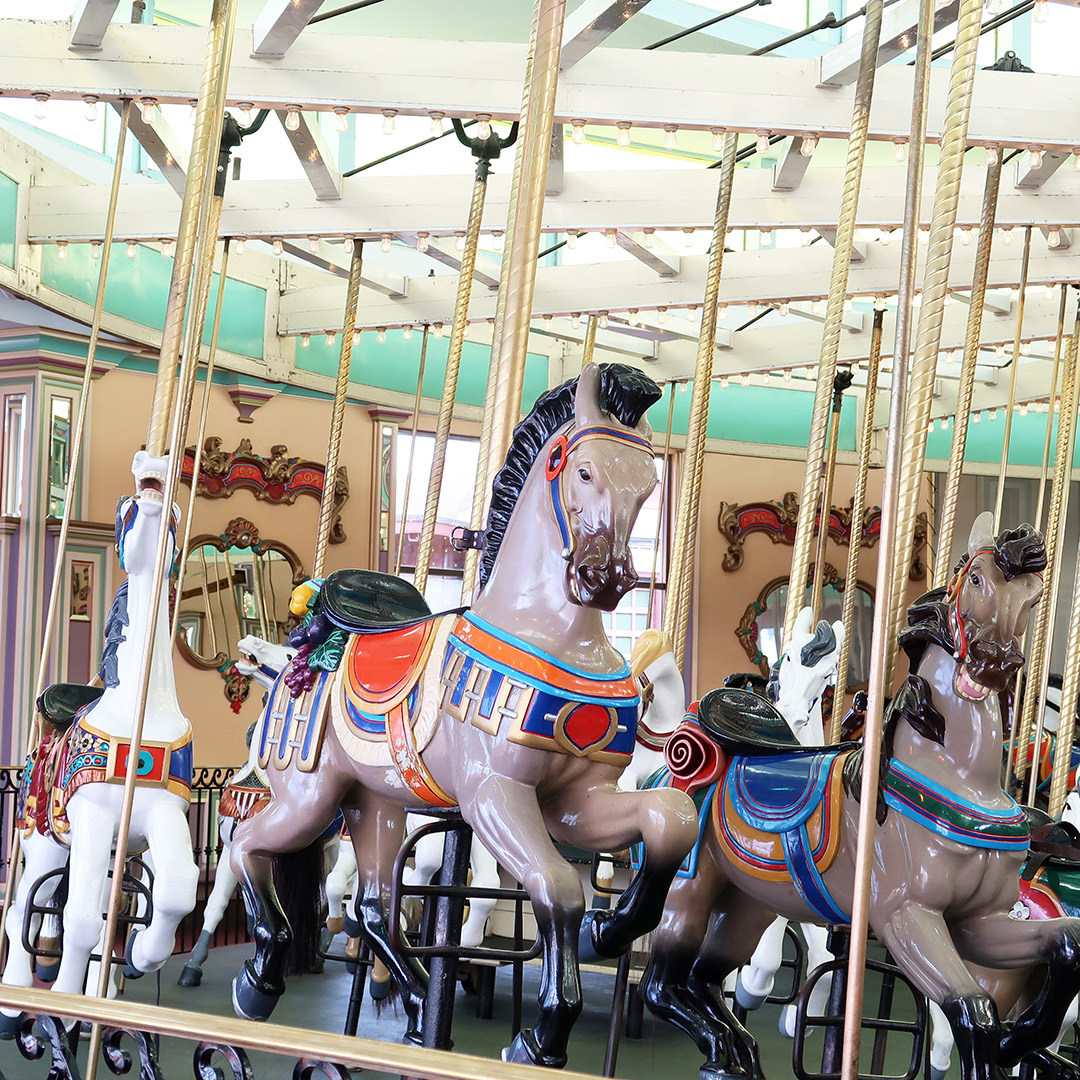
703 800
806 879
778 793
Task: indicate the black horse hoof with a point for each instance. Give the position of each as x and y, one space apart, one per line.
380 991
130 970
47 971
9 1025
525 1050
250 1002
600 937
191 975
712 1071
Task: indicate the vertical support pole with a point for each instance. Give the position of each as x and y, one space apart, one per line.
412 446
665 478
684 542
841 382
810 497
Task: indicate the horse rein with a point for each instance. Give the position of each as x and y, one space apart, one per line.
557 459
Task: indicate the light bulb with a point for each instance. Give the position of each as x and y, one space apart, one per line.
623 138
993 414
787 374
341 119
1042 11
437 122
389 125
41 106
879 303
239 245
602 320
349 245
167 247
1076 158
90 112
547 322
965 235
466 330
1006 235
993 155
766 378
483 125
899 150
305 341
610 235
1023 410
762 144
95 249
577 129
752 308
924 235
498 240
717 140
721 312
682 387
423 241
1053 237
1025 348
438 329
384 243
331 337
193 110
406 333
688 238
766 238
930 427
745 380
783 309
575 319
993 7
647 237
355 338
313 245
61 249
147 107
131 246
950 357
809 144
723 382
1049 293
944 423
278 246
571 240
815 306
459 241
244 108
292 118
849 304
671 137
885 237
999 350
381 335
661 315
976 418
1035 157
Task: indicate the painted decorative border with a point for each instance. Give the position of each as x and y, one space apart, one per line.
778 520
277 478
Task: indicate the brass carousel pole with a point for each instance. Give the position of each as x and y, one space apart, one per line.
858 512
841 382
900 503
74 466
1054 372
1012 377
665 478
680 576
337 416
966 386
412 446
589 346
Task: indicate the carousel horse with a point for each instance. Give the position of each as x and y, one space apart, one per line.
782 832
518 711
1044 760
72 791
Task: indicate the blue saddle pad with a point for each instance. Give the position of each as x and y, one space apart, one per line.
779 793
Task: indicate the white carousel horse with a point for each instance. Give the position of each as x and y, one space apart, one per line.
77 818
798 681
245 794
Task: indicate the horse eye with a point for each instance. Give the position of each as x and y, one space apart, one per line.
975 580
585 475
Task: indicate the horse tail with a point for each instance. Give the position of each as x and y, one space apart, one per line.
298 879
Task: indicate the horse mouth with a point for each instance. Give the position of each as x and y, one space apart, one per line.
968 688
151 485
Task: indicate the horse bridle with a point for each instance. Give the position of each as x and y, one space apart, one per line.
559 455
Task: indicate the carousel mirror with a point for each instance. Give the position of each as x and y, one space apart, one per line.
235 585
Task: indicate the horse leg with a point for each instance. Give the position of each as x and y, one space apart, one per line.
485 875
214 911
817 953
756 979
998 941
920 941
506 818
376 828
302 807
941 1043
337 885
176 880
664 820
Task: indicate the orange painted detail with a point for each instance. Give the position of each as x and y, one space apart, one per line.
381 669
410 765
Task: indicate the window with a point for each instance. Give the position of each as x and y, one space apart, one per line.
59 442
11 466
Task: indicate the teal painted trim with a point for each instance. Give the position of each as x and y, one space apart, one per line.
138 289
984 440
9 217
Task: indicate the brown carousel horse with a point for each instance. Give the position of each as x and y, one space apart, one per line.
518 710
782 830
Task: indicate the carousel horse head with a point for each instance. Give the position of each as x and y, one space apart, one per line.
805 669
983 613
150 473
592 443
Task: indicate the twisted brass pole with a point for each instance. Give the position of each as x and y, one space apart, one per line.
810 497
681 567
906 447
589 345
337 417
665 476
211 102
412 449
1007 436
858 512
840 384
1054 371
951 495
450 380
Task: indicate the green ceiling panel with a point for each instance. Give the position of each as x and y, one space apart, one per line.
984 440
9 199
138 289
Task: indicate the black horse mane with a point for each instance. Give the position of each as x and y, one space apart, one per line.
114 635
625 393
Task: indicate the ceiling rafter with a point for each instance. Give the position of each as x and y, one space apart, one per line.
279 24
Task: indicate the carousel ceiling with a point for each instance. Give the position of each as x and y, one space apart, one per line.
631 189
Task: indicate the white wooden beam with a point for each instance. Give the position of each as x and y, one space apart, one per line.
89 21
858 248
162 146
655 254
332 259
590 24
278 25
1028 177
789 171
442 251
315 155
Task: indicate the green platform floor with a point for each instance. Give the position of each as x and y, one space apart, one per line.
320 1002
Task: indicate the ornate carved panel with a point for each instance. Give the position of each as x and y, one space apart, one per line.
277 478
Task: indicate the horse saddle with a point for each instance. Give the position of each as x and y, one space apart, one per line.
778 818
745 723
365 602
62 702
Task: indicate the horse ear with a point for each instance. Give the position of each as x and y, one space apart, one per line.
838 630
982 532
587 397
804 623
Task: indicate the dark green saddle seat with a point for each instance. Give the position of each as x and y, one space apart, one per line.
363 601
745 723
62 702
